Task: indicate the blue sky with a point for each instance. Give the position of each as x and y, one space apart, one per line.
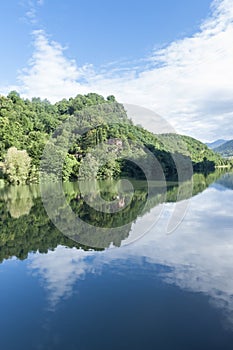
96 32
152 53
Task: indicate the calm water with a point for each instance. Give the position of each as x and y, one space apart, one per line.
163 291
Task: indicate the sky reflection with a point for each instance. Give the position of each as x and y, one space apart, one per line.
198 256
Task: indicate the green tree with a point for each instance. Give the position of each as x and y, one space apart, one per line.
16 166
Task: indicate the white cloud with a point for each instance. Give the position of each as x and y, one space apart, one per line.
189 81
31 12
31 15
50 74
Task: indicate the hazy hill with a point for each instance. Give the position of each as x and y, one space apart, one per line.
226 150
216 143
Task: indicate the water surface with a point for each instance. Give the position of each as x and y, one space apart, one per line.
163 291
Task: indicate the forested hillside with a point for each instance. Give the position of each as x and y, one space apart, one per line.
27 125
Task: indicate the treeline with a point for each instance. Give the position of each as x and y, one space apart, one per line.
26 126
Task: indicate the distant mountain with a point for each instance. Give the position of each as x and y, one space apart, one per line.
216 143
226 149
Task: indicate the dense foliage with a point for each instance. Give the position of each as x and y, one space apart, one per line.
26 126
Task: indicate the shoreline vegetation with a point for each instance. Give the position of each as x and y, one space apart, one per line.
27 126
